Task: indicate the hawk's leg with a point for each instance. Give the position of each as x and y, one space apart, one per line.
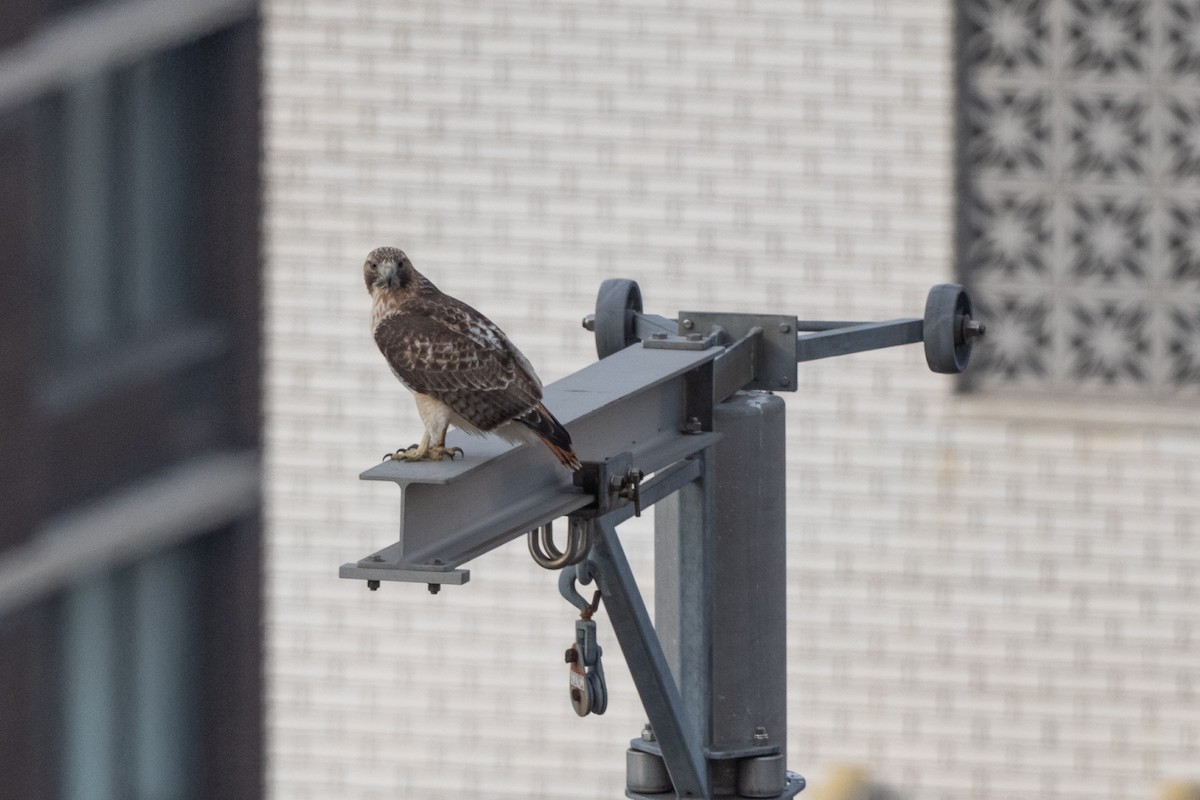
440 451
426 451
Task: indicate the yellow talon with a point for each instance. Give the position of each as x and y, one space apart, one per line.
438 453
426 451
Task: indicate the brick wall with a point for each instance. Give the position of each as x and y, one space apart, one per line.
990 596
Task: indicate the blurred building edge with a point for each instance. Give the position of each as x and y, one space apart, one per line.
130 412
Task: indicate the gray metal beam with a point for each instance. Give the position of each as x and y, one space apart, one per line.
453 511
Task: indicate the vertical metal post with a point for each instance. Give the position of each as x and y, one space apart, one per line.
683 559
720 588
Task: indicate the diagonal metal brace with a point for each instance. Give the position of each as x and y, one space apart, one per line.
681 750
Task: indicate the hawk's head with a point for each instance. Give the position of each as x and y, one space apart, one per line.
388 269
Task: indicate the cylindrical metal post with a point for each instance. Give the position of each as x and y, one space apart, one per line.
737 669
646 773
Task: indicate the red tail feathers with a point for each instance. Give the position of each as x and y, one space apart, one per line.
552 433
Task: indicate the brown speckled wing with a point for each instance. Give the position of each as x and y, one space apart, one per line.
441 347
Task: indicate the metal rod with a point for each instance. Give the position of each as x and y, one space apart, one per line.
660 696
858 338
825 324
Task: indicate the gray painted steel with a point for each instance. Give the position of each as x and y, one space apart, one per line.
775 356
859 337
666 709
453 511
761 776
749 582
646 773
720 587
712 678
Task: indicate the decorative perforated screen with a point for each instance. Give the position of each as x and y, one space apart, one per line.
1079 192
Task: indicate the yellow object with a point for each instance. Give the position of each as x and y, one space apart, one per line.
1180 790
845 782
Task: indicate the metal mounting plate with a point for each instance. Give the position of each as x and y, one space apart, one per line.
383 572
795 784
775 365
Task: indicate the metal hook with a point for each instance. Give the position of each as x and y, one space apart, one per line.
548 556
566 587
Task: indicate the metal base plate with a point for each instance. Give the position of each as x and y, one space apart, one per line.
454 577
795 785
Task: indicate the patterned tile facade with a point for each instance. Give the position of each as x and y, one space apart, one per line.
1080 162
993 597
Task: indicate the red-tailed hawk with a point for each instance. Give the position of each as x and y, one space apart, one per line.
462 369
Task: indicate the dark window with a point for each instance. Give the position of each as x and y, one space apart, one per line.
129 347
121 150
147 348
128 682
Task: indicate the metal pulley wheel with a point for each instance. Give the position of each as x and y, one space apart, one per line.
585 673
949 331
616 303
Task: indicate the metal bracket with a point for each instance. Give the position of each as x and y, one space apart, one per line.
548 556
774 362
690 341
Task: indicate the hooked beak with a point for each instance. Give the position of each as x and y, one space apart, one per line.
388 273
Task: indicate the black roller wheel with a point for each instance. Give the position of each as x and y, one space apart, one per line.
617 302
949 330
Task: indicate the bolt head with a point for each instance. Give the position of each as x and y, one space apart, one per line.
760 734
659 336
785 381
688 324
648 734
589 322
785 328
